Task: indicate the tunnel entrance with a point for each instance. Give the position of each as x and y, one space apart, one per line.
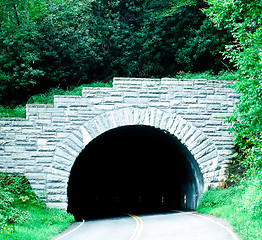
133 169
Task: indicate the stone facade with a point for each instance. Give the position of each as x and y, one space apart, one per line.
45 145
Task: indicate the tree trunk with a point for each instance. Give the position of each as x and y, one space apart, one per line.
15 13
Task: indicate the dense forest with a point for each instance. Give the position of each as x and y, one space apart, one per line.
62 43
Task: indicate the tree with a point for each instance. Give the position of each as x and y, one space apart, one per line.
67 42
16 49
42 46
243 19
154 38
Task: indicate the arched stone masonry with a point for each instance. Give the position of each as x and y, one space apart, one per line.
202 148
44 145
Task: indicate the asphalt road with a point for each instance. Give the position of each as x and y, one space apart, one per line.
174 225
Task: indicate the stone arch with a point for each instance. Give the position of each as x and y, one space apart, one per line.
202 148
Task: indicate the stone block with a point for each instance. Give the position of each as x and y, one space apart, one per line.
59 205
57 191
207 157
111 99
56 185
59 172
206 144
56 179
57 198
35 176
34 169
20 155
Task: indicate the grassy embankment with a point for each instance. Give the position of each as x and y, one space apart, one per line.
240 204
23 216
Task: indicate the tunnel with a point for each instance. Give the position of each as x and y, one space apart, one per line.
133 169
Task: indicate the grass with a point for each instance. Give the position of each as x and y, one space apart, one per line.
43 225
241 205
18 111
23 216
208 75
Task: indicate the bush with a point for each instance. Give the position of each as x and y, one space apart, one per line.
15 190
13 111
9 213
23 215
243 19
65 43
145 38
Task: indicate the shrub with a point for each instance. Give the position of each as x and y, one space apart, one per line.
23 215
64 43
243 19
15 190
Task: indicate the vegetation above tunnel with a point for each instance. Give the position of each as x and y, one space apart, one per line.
63 42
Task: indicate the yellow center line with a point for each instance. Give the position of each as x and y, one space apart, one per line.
139 226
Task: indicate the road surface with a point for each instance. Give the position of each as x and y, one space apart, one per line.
176 225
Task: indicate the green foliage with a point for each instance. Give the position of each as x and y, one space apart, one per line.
145 38
243 19
15 190
223 75
9 214
241 205
18 111
23 215
216 196
47 48
18 35
64 42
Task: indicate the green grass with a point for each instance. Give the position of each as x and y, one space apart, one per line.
18 111
23 216
208 75
43 225
241 205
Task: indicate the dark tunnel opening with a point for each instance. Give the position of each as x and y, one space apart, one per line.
133 169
